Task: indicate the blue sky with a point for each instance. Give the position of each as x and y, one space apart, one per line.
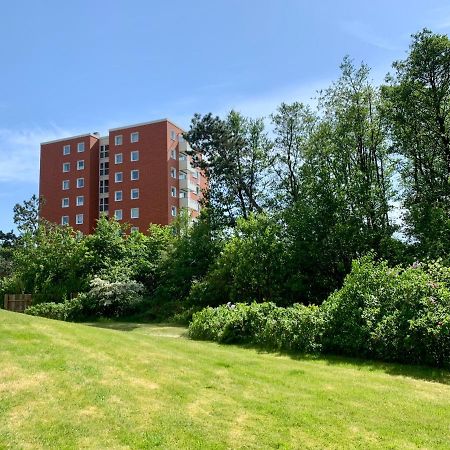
82 66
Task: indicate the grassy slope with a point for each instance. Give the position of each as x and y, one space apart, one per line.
74 386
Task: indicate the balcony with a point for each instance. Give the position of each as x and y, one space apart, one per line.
187 202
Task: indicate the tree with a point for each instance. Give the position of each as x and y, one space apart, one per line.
26 215
234 155
417 110
293 126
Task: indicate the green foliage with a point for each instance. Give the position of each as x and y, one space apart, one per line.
297 328
69 310
417 113
249 267
47 264
395 314
111 299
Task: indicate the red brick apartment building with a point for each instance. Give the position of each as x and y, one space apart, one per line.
139 174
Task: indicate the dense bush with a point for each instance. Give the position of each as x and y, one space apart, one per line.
398 314
111 299
393 314
105 299
68 310
297 328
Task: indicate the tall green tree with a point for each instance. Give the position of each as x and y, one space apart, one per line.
26 215
417 110
234 154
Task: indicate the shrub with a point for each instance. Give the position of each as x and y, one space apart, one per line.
68 310
297 328
112 299
394 314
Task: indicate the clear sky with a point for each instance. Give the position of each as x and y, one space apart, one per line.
79 66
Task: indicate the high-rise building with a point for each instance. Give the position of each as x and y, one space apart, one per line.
139 174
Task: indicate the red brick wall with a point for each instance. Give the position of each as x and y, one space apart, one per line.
52 176
153 174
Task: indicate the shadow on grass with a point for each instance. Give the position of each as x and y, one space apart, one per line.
423 373
157 329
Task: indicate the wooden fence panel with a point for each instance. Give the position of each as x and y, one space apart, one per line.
17 302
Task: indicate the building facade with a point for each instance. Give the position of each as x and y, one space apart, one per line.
139 174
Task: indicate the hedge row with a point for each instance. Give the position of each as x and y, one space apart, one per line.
394 314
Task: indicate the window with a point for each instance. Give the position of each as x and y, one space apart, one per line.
65 185
183 176
173 153
118 177
65 202
118 158
66 150
118 214
118 140
65 220
80 147
134 137
183 157
104 186
104 168
174 211
118 196
173 135
197 190
80 200
173 172
79 219
134 229
80 182
183 194
104 204
195 174
66 167
80 164
134 194
104 151
134 175
135 155
173 191
135 213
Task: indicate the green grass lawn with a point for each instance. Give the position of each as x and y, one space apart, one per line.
66 385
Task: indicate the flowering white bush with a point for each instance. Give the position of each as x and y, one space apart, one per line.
113 299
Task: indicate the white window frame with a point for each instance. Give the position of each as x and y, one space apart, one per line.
118 194
79 219
173 172
173 191
173 135
66 149
134 137
64 184
80 183
136 190
173 211
136 172
118 158
80 147
66 165
118 140
134 153
173 153
80 164
80 200
118 212
134 213
116 175
64 220
134 230
65 202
